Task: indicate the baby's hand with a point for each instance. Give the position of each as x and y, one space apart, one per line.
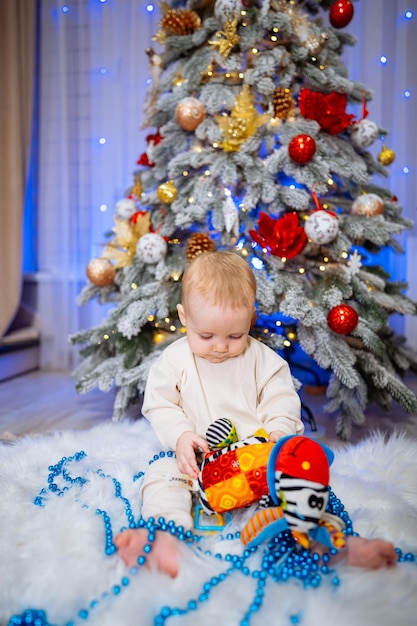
275 435
187 445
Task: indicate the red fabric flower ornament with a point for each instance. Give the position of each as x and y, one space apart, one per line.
144 159
282 237
327 109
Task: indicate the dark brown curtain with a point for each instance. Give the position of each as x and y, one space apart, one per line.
17 62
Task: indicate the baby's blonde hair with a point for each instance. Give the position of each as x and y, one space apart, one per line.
224 278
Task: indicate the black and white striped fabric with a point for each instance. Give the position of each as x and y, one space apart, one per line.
221 433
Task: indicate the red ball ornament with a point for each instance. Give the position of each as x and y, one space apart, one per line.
302 148
135 218
341 12
342 319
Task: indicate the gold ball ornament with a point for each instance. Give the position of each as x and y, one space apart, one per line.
100 272
167 192
369 204
189 113
386 156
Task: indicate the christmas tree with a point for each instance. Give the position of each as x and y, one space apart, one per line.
252 147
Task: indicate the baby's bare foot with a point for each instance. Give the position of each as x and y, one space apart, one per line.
370 553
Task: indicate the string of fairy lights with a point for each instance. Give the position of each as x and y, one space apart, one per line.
171 326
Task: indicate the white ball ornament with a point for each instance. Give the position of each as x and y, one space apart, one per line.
368 204
321 227
364 133
151 248
125 208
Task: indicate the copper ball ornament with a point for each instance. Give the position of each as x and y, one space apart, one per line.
368 204
342 319
189 113
100 272
302 148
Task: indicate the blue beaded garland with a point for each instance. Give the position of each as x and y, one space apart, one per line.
282 558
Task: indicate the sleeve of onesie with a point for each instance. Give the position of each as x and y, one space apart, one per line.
162 402
279 406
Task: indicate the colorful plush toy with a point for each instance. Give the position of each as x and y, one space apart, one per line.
288 479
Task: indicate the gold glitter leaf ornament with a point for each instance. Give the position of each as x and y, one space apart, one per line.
226 39
242 123
122 248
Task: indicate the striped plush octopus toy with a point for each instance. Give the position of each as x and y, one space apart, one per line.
289 480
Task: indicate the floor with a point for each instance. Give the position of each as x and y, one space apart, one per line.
43 401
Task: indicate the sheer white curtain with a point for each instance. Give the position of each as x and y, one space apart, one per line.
388 28
94 73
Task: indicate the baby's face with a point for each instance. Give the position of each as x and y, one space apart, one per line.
213 332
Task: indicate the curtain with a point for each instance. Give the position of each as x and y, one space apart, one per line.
17 54
94 74
389 28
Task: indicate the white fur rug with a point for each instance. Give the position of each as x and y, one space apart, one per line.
52 557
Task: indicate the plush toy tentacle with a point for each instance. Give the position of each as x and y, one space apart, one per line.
264 525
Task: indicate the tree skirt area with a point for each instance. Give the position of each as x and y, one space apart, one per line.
53 542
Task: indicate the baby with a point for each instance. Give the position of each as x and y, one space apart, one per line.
217 370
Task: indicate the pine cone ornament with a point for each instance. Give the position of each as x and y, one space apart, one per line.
197 244
283 102
180 22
